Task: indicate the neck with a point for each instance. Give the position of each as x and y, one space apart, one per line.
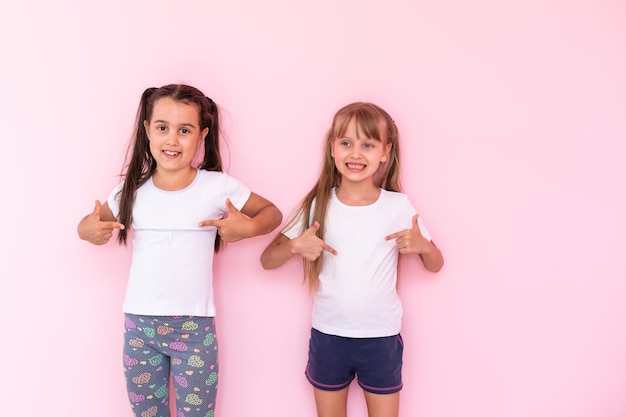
357 194
173 181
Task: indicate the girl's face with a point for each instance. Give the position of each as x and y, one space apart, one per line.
356 156
174 133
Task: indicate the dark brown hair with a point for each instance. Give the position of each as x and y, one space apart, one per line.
140 164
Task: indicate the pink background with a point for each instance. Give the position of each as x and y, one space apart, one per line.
513 123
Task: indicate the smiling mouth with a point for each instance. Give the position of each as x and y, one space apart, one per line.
171 153
355 166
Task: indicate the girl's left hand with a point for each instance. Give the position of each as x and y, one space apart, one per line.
411 240
235 226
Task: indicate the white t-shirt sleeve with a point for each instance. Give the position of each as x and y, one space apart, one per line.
294 229
423 229
411 211
296 225
235 190
113 200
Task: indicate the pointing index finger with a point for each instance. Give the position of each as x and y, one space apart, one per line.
114 225
329 248
394 235
206 223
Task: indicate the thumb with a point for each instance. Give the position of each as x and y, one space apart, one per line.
230 206
416 225
415 221
97 210
313 229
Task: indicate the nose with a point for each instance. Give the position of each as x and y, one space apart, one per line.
355 151
172 138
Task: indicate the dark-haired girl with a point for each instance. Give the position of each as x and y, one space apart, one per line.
178 213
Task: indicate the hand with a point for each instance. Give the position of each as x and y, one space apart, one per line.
309 246
233 227
96 231
411 240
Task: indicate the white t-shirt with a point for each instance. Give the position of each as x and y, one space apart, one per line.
357 294
172 263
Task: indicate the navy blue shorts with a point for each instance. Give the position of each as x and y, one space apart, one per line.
334 361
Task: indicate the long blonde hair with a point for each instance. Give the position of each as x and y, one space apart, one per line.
375 123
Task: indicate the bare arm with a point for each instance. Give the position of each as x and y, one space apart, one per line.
263 214
277 252
431 257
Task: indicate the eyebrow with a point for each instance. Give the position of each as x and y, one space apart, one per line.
363 138
166 122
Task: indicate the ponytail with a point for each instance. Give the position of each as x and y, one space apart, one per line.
212 160
140 166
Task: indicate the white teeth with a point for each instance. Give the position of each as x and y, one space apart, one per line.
355 166
170 153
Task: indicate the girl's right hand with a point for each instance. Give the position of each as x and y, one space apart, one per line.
94 230
281 249
309 245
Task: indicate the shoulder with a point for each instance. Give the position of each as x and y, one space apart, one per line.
215 177
393 196
223 184
204 175
396 202
119 186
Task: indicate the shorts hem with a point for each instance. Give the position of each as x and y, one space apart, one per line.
326 387
381 391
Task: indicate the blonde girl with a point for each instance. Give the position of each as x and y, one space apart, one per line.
349 230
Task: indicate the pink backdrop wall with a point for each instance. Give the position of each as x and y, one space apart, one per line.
513 123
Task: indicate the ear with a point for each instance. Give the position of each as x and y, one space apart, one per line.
332 149
203 135
146 126
386 153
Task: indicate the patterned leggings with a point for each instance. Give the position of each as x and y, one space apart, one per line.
183 345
